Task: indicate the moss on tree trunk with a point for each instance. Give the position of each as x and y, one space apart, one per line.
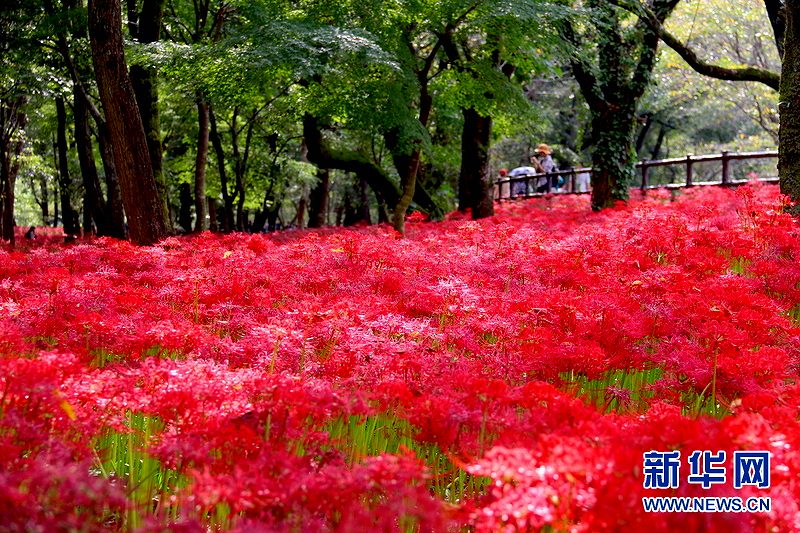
789 134
613 156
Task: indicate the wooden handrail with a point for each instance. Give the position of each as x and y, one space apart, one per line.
689 161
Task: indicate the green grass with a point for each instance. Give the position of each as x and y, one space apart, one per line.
628 391
148 484
794 314
102 358
362 437
617 390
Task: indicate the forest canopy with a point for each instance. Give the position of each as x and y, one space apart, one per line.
163 116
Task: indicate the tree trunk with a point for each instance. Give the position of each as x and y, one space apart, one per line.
363 193
212 214
475 184
241 170
777 19
45 201
56 214
12 120
186 201
143 206
301 212
642 137
228 199
7 193
318 200
789 106
612 88
662 133
145 86
115 211
7 179
94 209
613 156
201 207
383 209
273 214
68 214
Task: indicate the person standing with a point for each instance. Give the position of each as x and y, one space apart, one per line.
543 161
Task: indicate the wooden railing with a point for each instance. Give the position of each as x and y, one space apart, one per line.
527 185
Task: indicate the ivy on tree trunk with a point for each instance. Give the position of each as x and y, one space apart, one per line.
612 79
789 107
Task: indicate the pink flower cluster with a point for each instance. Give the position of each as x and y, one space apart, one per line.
482 338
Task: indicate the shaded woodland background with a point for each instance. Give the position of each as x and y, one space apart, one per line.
269 114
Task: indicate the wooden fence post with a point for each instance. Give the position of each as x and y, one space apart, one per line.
726 178
644 174
689 171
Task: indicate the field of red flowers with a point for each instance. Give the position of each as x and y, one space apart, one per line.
501 375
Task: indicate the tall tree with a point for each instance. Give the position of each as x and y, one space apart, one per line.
789 108
784 19
480 64
145 27
68 213
68 29
16 49
12 122
318 200
200 163
613 74
140 195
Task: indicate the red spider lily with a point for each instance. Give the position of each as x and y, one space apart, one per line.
275 371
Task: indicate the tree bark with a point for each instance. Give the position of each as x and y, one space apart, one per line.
789 107
301 212
7 192
95 212
12 120
777 19
201 207
228 199
474 181
613 156
44 202
145 86
318 200
140 195
241 170
363 196
612 89
115 209
642 137
662 133
68 214
213 225
186 201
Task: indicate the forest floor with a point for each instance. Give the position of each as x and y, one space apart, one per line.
534 370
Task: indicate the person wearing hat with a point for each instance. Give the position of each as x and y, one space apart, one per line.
543 161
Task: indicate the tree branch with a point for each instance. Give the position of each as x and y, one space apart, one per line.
580 68
767 77
324 156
